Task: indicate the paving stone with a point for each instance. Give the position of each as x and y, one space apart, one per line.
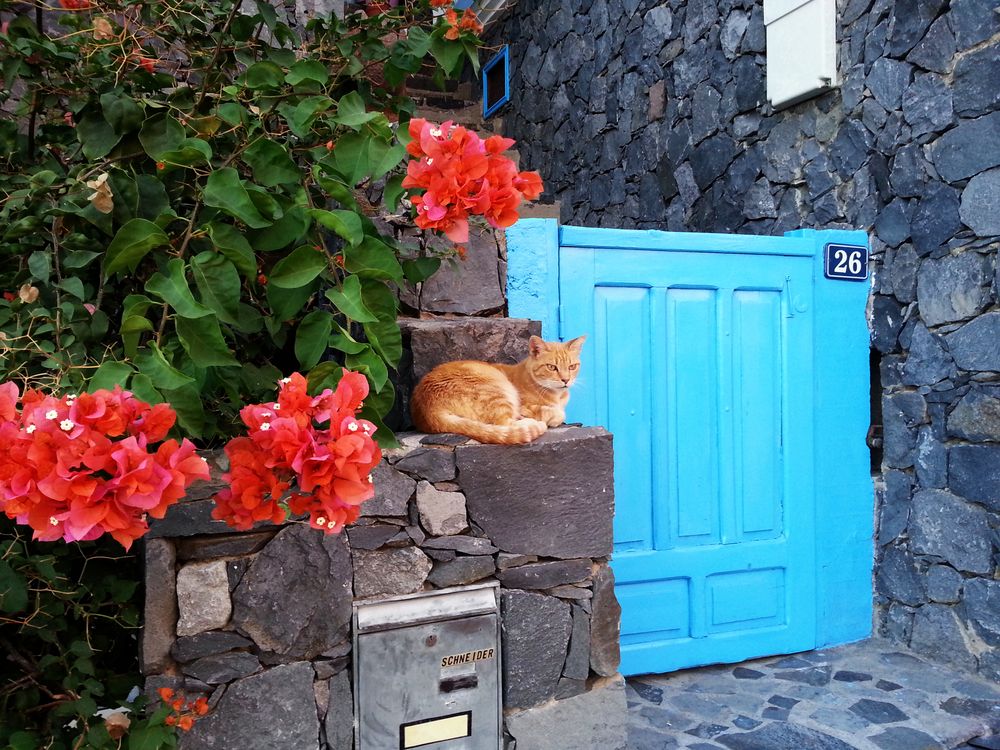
745 722
782 701
647 692
780 735
878 712
905 738
775 714
848 676
840 720
986 743
888 686
707 731
742 673
815 676
203 597
640 738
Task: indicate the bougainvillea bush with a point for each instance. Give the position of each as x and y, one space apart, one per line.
189 194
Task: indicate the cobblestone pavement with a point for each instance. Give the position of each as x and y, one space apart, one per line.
864 696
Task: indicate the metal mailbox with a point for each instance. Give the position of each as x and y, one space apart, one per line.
427 671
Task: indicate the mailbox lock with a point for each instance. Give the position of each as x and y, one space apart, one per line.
431 641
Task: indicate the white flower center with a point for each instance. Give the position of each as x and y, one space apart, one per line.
331 523
276 407
320 521
51 414
266 414
353 426
30 428
370 479
286 381
265 426
66 425
53 520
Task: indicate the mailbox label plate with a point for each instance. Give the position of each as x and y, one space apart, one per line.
429 731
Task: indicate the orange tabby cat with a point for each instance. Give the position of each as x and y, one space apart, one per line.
495 403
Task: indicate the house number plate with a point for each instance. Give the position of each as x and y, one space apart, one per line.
846 262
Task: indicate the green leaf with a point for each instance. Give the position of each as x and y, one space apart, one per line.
371 364
269 208
108 375
387 340
349 301
173 289
96 136
187 402
347 224
301 116
149 737
420 269
202 340
40 265
288 230
134 321
142 387
351 157
393 191
377 405
311 338
307 70
131 244
160 134
74 286
298 268
13 589
231 243
192 151
122 112
447 53
264 75
373 259
351 111
342 341
233 113
286 303
218 284
161 373
271 163
153 201
225 190
383 156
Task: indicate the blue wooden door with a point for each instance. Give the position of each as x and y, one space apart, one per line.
703 357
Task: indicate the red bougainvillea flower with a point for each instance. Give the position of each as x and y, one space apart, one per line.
461 175
148 64
77 467
440 3
74 4
314 444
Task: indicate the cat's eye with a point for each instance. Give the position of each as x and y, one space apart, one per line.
574 366
552 367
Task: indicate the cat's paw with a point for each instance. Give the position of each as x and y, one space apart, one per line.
530 428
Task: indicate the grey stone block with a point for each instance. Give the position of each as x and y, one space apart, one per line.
558 493
191 647
974 473
977 416
953 288
441 513
467 545
207 548
470 286
968 149
461 570
219 669
160 612
295 600
980 206
203 601
339 722
432 464
938 634
976 345
389 572
944 584
594 720
974 84
192 518
944 526
393 490
246 716
370 537
605 624
577 665
545 575
535 635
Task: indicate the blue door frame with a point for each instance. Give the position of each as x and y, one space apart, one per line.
811 573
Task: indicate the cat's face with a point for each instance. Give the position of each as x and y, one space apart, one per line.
554 365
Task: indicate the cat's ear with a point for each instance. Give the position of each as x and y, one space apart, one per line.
576 344
536 346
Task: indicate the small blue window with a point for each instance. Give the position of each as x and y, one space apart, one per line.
496 82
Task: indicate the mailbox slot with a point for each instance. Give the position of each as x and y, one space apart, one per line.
427 671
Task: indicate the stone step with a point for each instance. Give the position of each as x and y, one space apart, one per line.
433 341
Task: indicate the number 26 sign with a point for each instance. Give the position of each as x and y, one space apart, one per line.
846 262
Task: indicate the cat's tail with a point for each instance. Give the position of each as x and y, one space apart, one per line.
515 433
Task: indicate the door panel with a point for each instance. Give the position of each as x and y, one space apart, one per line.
701 368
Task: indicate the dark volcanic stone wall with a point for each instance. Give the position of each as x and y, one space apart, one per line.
653 115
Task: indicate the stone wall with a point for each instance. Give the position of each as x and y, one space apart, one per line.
645 114
260 621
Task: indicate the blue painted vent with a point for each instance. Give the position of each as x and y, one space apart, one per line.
496 82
